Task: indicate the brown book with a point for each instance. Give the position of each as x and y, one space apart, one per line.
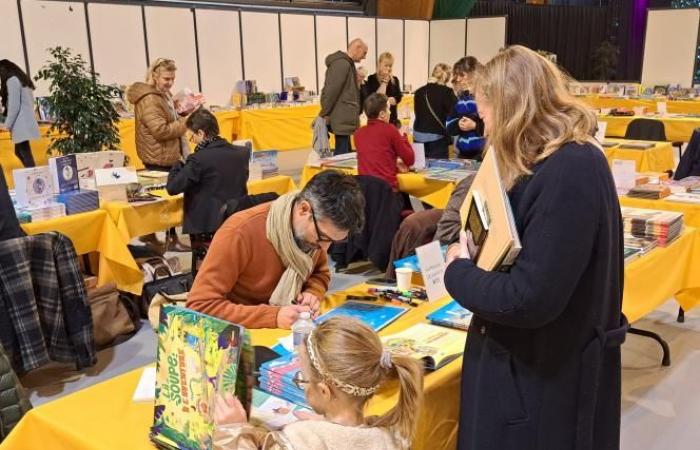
486 212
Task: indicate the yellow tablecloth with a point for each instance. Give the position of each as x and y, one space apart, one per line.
672 106
657 159
691 212
95 232
678 129
433 192
137 219
103 417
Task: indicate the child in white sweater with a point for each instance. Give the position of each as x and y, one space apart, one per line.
343 364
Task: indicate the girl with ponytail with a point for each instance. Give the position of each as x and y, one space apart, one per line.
343 364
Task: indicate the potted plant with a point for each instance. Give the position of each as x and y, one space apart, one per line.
605 58
83 114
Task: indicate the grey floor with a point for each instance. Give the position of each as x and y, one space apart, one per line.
660 405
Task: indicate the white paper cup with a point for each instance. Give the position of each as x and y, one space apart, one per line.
638 110
403 278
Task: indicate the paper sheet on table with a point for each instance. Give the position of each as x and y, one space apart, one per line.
146 389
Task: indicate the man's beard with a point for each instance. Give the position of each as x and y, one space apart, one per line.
302 243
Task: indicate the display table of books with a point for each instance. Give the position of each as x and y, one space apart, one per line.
95 231
672 106
105 416
657 158
679 127
691 211
138 219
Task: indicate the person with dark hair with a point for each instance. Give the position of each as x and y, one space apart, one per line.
464 121
380 145
215 173
267 264
16 93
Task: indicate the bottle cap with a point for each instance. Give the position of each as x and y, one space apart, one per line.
305 315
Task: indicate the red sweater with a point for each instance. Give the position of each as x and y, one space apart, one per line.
378 145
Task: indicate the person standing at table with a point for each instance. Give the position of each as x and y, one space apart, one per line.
160 131
465 122
268 263
433 103
384 82
16 93
340 96
542 363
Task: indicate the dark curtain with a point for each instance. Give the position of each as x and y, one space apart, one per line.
572 32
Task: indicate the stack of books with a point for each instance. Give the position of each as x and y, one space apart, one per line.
48 211
687 184
687 197
461 164
345 161
452 315
663 226
631 254
449 175
643 244
277 378
266 161
649 191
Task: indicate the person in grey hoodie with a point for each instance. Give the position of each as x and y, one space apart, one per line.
16 93
340 96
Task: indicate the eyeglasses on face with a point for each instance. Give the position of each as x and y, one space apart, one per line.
323 237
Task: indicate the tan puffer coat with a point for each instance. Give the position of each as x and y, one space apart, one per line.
158 132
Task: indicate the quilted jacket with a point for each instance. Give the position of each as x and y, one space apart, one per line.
13 400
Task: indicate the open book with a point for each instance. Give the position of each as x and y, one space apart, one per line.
436 346
487 214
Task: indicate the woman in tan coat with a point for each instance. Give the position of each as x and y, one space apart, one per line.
160 131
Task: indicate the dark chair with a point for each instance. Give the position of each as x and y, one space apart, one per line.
689 164
649 130
200 242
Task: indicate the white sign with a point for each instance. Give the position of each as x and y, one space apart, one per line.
432 266
600 134
419 153
625 174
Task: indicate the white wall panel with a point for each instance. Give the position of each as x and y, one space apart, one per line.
219 41
364 28
298 55
416 42
330 37
447 41
11 42
121 61
261 50
485 37
390 39
171 35
50 24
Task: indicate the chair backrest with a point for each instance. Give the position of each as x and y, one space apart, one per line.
235 205
646 130
689 164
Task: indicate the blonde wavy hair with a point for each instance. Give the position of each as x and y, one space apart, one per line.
441 74
349 353
157 66
533 113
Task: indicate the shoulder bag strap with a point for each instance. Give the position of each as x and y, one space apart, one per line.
430 108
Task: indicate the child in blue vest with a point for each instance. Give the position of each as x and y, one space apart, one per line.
464 122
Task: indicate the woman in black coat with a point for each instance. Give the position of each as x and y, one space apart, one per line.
541 368
433 103
385 83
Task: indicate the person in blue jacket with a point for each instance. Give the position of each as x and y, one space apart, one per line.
464 121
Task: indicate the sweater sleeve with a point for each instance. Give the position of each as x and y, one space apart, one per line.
228 254
557 243
320 279
183 176
402 147
333 86
163 130
450 223
14 99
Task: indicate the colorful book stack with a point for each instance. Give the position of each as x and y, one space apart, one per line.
452 315
455 164
345 161
34 195
631 254
643 244
663 226
277 378
267 160
451 175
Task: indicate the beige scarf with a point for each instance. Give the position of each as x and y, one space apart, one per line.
298 264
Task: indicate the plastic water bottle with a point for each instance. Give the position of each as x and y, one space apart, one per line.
302 328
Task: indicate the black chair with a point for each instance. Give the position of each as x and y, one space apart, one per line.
689 164
649 130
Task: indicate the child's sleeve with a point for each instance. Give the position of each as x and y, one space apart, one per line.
239 436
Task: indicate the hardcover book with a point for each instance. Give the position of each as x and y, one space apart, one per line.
33 186
435 346
452 315
64 173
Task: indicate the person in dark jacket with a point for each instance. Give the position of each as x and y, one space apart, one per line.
215 173
384 82
340 96
465 122
9 225
432 104
541 368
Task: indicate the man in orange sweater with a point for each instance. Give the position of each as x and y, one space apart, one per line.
268 263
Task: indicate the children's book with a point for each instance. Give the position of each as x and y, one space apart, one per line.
199 356
435 346
64 172
452 315
277 377
273 412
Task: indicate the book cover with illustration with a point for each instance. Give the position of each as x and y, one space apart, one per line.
377 316
277 377
452 315
64 171
198 357
273 412
436 346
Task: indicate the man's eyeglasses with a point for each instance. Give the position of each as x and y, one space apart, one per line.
322 237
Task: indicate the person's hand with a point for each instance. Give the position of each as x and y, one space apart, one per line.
459 250
307 415
467 124
287 315
392 101
310 300
401 166
228 410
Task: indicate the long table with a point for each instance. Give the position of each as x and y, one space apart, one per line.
109 230
103 417
672 106
658 158
678 129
